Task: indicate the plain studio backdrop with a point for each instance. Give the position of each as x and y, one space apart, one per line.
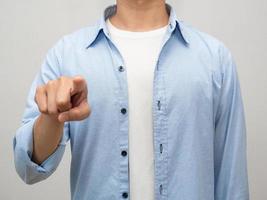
29 28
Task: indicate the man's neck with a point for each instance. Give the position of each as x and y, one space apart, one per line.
140 15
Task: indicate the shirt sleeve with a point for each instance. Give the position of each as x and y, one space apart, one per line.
230 159
29 171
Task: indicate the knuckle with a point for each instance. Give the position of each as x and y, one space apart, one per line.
43 109
62 78
52 110
51 83
61 103
39 88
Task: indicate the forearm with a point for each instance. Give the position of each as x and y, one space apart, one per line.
47 133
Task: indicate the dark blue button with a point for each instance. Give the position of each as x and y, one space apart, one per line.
123 110
121 68
124 153
125 195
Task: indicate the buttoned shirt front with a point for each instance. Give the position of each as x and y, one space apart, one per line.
199 131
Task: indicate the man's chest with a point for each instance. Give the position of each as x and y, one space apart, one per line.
181 99
183 78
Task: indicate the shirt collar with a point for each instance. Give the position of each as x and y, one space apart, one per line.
174 23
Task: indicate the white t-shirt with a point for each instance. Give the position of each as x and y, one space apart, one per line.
140 51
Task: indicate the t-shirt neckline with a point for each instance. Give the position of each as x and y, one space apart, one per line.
135 34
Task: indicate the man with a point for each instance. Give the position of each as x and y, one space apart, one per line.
152 108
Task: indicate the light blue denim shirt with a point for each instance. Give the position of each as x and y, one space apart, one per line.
198 118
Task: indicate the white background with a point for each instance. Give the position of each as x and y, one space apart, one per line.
29 28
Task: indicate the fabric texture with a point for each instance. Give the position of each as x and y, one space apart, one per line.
199 131
140 52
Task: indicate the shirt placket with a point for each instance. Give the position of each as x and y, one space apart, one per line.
159 122
122 95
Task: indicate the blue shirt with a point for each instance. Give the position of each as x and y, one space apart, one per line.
198 118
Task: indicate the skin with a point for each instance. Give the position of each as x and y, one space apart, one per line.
65 99
140 15
61 100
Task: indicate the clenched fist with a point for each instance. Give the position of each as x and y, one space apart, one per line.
65 98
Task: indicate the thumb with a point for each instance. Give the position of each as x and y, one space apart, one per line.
75 114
